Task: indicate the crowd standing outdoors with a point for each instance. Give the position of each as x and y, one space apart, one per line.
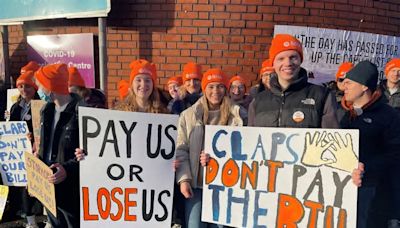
283 97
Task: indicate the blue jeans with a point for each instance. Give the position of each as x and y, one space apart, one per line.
193 211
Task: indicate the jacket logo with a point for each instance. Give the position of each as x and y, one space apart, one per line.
291 44
190 76
367 120
214 77
145 71
308 101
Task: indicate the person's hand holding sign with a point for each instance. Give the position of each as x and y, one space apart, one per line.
314 148
59 175
357 174
79 154
204 158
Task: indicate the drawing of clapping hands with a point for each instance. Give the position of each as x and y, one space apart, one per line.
318 147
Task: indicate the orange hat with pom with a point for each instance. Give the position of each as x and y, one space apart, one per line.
75 78
142 66
54 77
391 64
31 66
213 75
266 67
343 69
191 71
284 42
123 89
27 78
175 79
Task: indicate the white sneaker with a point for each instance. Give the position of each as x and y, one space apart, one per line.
31 225
48 225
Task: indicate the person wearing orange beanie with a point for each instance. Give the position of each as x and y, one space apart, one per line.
237 88
53 79
190 91
290 92
93 97
75 78
174 89
27 78
59 140
340 76
191 77
21 111
143 94
238 96
173 85
31 66
213 108
123 89
342 70
266 72
391 85
143 67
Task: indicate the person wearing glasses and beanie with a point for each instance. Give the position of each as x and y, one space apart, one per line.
390 86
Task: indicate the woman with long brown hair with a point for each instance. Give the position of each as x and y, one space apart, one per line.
143 96
213 108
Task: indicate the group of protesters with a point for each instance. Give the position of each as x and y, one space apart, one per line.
283 97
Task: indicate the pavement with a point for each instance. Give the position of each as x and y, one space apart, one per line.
22 222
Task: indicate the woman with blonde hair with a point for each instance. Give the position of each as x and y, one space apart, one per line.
213 108
143 96
142 93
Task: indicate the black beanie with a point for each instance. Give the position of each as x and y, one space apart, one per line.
365 73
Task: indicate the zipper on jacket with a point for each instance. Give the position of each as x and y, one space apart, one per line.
280 109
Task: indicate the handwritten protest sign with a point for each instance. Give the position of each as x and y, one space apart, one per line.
325 49
280 177
12 97
36 106
14 143
38 185
3 199
127 177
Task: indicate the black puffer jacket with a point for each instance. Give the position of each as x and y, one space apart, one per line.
301 105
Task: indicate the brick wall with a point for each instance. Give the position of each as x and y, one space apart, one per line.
231 34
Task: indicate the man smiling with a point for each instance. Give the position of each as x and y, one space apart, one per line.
291 100
379 146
